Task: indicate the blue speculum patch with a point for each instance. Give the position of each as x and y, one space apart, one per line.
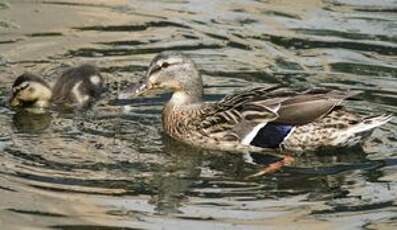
271 135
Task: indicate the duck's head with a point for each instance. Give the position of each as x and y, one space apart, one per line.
29 90
173 72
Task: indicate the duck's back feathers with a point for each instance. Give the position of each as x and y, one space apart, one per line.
78 86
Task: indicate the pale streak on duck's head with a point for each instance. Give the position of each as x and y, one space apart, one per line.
30 90
174 72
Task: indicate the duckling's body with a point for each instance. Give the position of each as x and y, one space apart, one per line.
77 88
260 118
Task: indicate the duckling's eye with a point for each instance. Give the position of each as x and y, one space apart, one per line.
20 87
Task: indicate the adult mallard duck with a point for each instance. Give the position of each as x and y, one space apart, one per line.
264 118
77 87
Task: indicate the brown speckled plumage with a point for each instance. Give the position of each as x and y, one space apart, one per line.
316 115
322 132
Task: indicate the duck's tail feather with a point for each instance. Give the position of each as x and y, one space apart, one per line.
370 123
356 133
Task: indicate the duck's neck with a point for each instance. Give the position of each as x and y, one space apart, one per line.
183 98
177 110
189 89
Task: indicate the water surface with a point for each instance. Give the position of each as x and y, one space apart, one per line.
109 168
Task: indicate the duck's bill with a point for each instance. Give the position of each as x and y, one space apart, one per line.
134 90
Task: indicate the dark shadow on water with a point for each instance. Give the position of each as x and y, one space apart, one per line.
91 227
95 52
48 34
37 213
300 43
133 28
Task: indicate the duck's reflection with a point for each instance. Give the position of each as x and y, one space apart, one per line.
191 172
176 177
27 121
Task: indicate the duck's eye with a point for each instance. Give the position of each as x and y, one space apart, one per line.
157 68
165 65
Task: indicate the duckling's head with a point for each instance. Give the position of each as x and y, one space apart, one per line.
170 71
30 90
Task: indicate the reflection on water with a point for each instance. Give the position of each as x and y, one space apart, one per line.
31 122
110 168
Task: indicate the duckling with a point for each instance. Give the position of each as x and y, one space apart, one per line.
268 118
76 88
30 90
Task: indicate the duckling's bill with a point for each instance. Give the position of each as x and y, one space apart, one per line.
13 102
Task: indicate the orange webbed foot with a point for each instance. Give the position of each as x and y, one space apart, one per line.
274 167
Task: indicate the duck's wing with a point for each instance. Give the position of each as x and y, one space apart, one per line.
235 116
311 105
241 115
298 107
